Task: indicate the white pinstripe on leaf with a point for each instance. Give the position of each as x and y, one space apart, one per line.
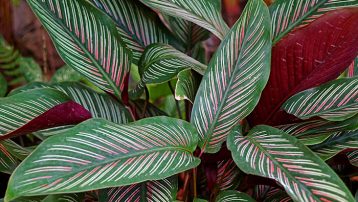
87 40
353 157
233 196
98 154
205 13
235 78
269 152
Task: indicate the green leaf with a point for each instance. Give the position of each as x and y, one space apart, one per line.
159 191
233 196
138 25
46 133
187 85
353 68
227 175
8 162
336 143
205 13
160 63
16 150
335 101
66 73
236 76
98 154
151 110
31 70
100 105
294 14
87 40
3 86
353 157
272 153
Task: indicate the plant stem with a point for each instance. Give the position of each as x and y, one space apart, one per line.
145 103
176 101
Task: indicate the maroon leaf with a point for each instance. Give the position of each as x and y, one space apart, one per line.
305 58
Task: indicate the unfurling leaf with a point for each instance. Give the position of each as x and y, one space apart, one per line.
87 40
187 85
205 13
272 153
98 154
236 76
336 101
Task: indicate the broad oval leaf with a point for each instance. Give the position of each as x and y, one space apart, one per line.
100 105
98 154
138 25
233 196
336 143
236 76
308 57
38 109
336 101
294 14
205 13
156 191
186 86
87 40
272 153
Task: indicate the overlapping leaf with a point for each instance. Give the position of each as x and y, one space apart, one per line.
8 162
271 153
66 73
336 101
227 175
294 14
138 25
98 154
353 157
353 68
16 150
336 143
87 40
98 104
233 196
235 78
159 191
38 109
306 58
205 13
186 86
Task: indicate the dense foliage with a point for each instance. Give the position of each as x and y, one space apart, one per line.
142 112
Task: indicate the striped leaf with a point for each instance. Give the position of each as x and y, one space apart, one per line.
8 162
78 197
98 154
160 63
235 78
336 101
3 86
38 109
186 86
159 191
233 196
281 196
353 157
138 25
16 150
272 153
100 105
353 68
87 40
261 192
46 133
205 13
294 14
151 110
227 175
187 32
336 143
306 58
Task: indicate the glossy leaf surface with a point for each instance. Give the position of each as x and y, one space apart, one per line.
235 77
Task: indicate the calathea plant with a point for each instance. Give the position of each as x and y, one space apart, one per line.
264 119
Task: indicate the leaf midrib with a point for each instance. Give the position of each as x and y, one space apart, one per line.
104 74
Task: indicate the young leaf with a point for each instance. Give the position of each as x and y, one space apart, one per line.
353 157
187 85
336 101
38 109
336 143
100 105
159 191
87 40
294 14
233 196
8 162
3 86
309 57
138 25
274 154
205 13
98 154
235 78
